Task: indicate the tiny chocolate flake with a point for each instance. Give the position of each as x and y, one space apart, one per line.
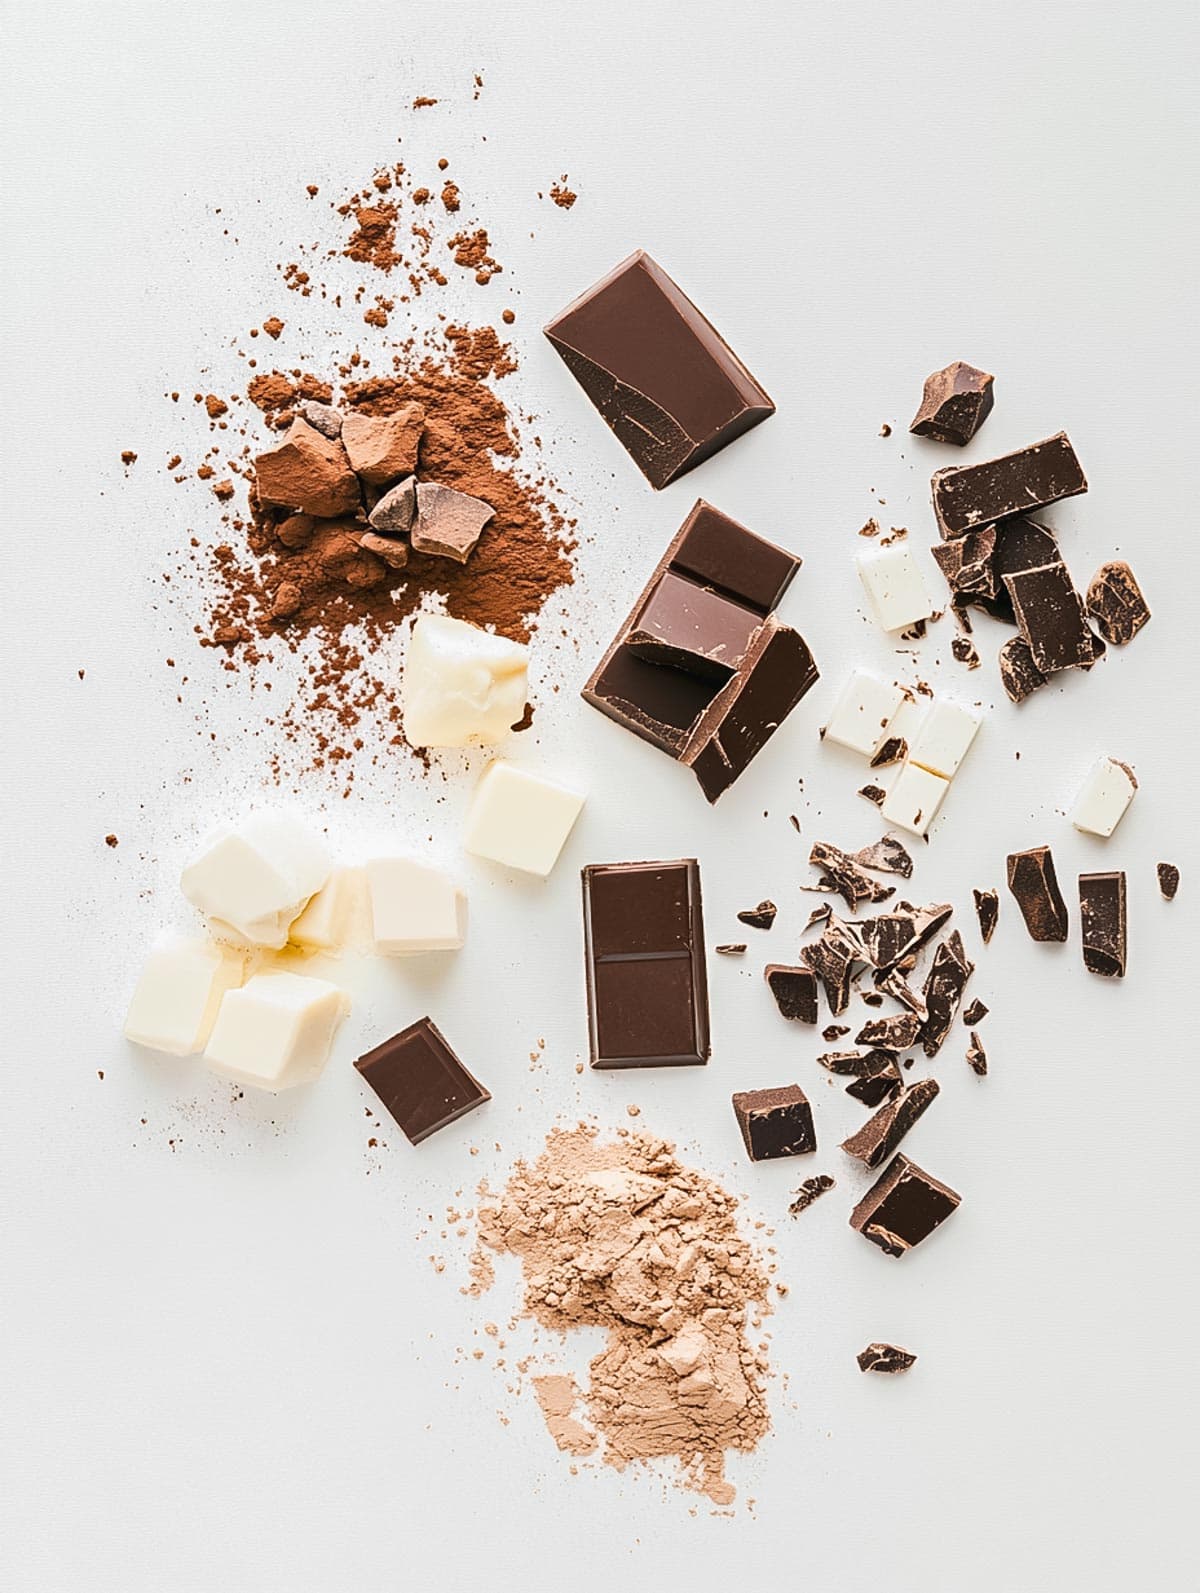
948 975
975 1013
977 1056
871 997
964 650
886 856
955 404
987 909
851 881
1102 916
895 1033
903 1207
795 991
835 1031
1168 880
810 1190
1115 602
873 793
1034 884
879 1135
760 917
886 1358
732 949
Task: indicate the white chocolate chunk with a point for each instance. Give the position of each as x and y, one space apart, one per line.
944 738
275 1031
862 714
414 908
898 590
462 685
324 925
915 798
1106 793
257 879
520 819
175 1003
907 720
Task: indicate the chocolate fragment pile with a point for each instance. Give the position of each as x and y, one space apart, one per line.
1034 884
955 404
886 1358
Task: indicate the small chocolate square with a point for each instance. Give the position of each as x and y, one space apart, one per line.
420 1080
903 1207
775 1123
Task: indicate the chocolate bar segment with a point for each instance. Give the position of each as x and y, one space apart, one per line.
420 1080
775 1123
693 628
1051 618
668 386
1032 880
1102 917
647 987
879 1135
955 404
903 1207
795 991
969 496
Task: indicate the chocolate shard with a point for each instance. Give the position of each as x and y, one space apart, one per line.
309 472
1115 602
886 856
1051 618
892 749
322 417
395 512
898 987
977 1056
832 957
1102 917
693 628
1034 884
760 917
873 793
647 988
731 949
811 1190
669 387
987 910
895 1033
955 404
449 523
975 1012
890 938
1019 675
819 915
834 1031
851 881
886 1358
1168 880
420 1080
775 1123
966 497
964 650
851 1064
391 550
948 975
879 1135
968 563
884 1084
1022 544
903 1207
795 991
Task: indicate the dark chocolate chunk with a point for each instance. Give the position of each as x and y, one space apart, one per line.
987 908
795 991
879 1135
974 1012
1168 880
644 946
851 881
760 917
873 793
886 1358
964 650
948 975
969 496
1051 618
1102 919
810 1190
903 1207
732 949
955 404
1019 675
889 938
977 1056
669 387
693 628
834 1031
875 1088
775 1123
895 1033
1115 602
832 958
1022 544
898 987
420 1080
1032 880
968 563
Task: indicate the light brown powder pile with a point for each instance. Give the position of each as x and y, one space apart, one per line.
623 1236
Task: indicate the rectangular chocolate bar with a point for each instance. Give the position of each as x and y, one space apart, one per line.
666 383
1102 916
966 497
647 987
420 1080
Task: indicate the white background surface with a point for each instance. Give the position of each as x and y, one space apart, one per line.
229 1362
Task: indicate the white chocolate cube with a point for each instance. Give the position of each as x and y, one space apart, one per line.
915 798
414 908
324 925
863 712
520 819
898 590
275 1031
944 738
181 987
254 881
462 686
1107 792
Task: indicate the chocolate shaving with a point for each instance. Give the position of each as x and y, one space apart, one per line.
987 909
811 1190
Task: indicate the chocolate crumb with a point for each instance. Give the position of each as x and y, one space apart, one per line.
732 949
834 1031
810 1190
975 1013
111 840
1168 875
873 793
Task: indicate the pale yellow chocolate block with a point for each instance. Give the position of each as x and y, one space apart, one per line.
520 819
180 989
462 686
414 908
275 1032
326 924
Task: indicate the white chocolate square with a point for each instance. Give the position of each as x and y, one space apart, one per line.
1106 793
519 819
462 686
414 908
257 879
180 989
275 1032
896 586
325 924
944 738
863 712
915 798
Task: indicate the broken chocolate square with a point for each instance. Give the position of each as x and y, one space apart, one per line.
879 1135
810 1190
886 1358
1168 880
1051 618
1034 884
691 627
987 908
896 1033
1019 675
955 404
795 991
977 1056
1102 917
966 497
775 1123
420 1080
903 1207
948 975
1115 602
760 917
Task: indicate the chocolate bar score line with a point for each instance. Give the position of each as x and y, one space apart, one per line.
701 668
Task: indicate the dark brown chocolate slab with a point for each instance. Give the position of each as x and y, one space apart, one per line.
647 988
969 496
1168 880
888 1359
1115 602
977 1056
987 908
811 1190
894 1033
955 404
1102 919
693 628
1019 675
420 1080
1051 618
775 1123
795 991
948 975
760 917
1034 884
666 383
879 1135
903 1207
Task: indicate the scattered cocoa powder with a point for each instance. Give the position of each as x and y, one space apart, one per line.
450 196
272 326
561 194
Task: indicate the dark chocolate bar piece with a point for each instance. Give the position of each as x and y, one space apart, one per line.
1168 880
760 917
1019 675
966 497
795 991
1115 602
832 958
987 908
903 1207
1051 618
693 628
1032 880
647 987
948 975
895 1033
420 1080
669 387
891 938
810 1190
886 856
775 1123
955 404
1102 919
879 1135
886 1358
882 1085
